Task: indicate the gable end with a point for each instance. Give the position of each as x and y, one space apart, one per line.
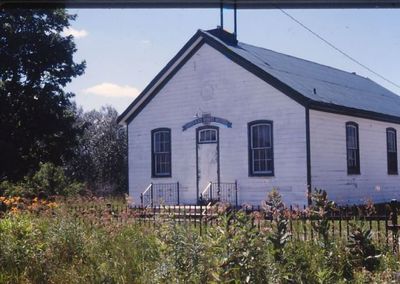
141 101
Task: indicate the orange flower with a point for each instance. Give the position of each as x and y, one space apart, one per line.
52 205
14 210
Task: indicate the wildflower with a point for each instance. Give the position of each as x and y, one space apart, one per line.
266 230
14 210
287 213
221 207
52 205
257 215
307 212
369 207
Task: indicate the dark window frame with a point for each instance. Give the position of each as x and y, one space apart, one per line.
356 169
209 141
391 154
250 149
153 154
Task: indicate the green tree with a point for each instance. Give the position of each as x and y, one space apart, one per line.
100 159
36 116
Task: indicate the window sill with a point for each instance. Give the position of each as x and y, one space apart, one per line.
169 176
262 175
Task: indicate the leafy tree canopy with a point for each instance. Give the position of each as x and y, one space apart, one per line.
36 63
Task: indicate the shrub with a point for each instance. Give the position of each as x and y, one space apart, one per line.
184 255
49 180
239 249
319 210
280 235
14 189
363 253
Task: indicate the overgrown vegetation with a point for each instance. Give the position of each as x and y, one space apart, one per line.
54 244
280 235
49 180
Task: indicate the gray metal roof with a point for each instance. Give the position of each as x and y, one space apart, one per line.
332 86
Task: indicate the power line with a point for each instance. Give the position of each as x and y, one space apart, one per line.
339 50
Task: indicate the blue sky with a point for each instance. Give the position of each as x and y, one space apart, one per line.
126 48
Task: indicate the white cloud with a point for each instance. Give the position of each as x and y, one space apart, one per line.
112 90
75 33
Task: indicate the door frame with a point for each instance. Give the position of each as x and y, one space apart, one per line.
198 129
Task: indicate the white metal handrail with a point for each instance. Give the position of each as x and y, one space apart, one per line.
207 188
147 189
226 192
157 193
206 195
145 194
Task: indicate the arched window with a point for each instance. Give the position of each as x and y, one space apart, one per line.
353 148
391 142
208 135
261 156
161 152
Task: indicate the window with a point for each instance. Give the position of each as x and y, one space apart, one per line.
391 142
208 136
353 151
161 152
261 161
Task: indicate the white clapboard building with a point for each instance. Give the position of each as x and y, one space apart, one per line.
229 121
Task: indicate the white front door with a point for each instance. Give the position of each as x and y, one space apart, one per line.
207 156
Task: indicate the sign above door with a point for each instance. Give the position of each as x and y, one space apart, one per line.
206 119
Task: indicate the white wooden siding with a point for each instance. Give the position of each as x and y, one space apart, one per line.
210 82
329 164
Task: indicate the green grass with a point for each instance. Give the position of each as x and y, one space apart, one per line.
55 246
